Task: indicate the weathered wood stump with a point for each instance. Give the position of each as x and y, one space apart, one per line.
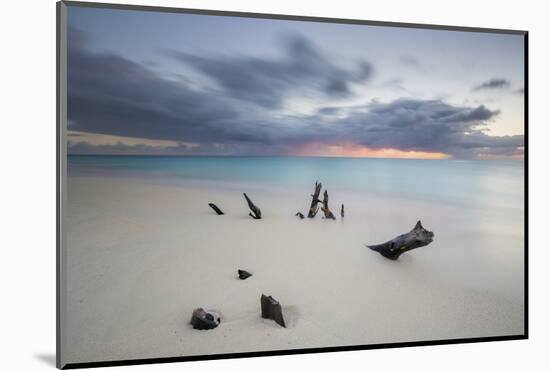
243 274
342 211
216 209
299 214
271 309
256 212
416 238
203 320
314 208
325 209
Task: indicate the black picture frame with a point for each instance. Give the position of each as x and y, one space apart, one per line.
61 176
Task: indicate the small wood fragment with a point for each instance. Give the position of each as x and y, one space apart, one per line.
299 214
216 209
243 274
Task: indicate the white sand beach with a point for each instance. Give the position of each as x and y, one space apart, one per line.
141 256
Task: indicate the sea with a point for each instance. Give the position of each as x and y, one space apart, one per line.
469 183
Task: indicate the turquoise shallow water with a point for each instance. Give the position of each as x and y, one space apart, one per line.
492 184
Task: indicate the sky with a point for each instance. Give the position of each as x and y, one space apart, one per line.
147 83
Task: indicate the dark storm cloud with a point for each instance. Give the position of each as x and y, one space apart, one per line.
85 148
120 148
492 84
268 82
429 125
329 111
411 124
109 94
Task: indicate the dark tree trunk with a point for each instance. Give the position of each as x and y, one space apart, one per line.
314 208
271 309
325 209
342 211
215 208
256 212
416 238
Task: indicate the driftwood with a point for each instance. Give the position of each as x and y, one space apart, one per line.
271 309
314 208
215 208
243 274
325 209
342 211
299 214
203 320
416 238
256 212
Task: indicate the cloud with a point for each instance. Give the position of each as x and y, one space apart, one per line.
109 94
428 125
520 91
268 82
120 148
492 84
85 148
112 95
409 60
329 111
420 125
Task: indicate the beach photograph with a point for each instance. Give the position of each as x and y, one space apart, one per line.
241 185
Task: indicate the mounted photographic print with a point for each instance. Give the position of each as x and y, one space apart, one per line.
235 184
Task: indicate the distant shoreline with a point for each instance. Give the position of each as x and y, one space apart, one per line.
481 184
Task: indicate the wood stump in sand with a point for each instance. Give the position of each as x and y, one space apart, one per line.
314 208
271 309
256 212
325 209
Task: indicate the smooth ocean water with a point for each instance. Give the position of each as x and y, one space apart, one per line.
494 184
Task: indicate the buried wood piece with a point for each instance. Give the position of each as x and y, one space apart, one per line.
203 320
256 212
216 209
342 211
314 208
325 209
271 309
243 274
416 238
299 214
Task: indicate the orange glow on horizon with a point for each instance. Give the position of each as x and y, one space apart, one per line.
352 150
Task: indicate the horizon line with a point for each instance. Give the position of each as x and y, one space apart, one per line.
285 156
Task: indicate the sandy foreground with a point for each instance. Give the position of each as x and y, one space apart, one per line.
141 256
